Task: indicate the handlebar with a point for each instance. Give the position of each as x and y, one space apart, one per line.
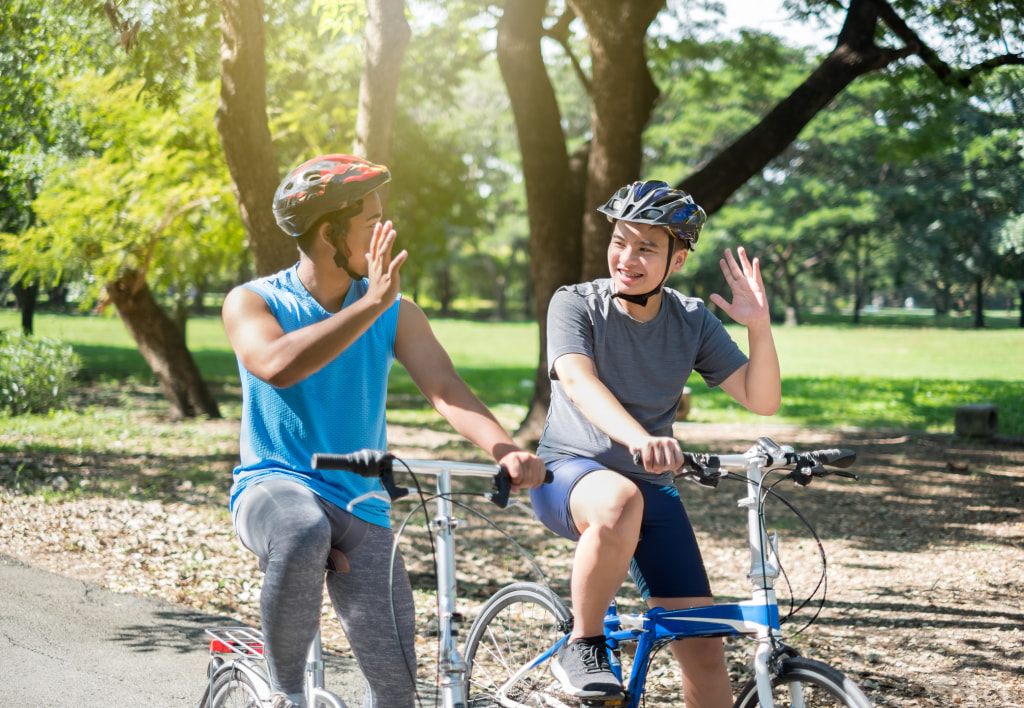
380 463
707 469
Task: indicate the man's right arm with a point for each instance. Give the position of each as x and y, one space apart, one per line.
282 358
581 383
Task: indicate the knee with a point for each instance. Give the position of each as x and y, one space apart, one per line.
701 657
617 512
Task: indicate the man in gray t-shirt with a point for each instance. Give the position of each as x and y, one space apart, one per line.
620 350
644 365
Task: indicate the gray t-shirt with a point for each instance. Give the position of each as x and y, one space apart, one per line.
644 364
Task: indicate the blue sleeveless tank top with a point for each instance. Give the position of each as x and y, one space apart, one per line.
339 409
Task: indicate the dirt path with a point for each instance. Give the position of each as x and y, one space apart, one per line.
926 556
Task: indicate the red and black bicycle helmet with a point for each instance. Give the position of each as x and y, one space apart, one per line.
323 185
656 203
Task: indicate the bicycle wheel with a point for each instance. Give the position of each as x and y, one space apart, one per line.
516 625
806 683
234 689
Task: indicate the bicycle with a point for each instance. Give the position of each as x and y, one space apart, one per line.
520 627
237 670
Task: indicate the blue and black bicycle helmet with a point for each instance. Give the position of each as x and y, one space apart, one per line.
656 203
324 185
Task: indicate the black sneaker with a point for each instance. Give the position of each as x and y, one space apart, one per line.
582 668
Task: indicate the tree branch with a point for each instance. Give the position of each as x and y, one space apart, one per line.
995 63
560 33
899 27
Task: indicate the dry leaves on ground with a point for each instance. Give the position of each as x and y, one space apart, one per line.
926 556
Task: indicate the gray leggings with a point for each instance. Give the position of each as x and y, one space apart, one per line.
292 531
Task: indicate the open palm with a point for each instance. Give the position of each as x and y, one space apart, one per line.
749 301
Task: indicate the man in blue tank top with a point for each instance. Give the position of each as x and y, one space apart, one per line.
315 344
620 350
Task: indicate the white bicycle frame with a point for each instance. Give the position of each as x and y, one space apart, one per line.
451 664
764 561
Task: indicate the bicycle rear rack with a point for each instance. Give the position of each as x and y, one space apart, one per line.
244 641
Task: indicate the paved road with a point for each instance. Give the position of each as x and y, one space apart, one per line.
68 643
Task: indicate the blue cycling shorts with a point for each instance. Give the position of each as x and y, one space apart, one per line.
667 561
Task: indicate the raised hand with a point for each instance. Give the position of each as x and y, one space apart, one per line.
382 269
749 302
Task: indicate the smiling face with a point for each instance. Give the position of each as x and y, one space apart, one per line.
637 257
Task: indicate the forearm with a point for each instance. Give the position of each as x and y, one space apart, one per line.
603 409
763 380
468 415
282 358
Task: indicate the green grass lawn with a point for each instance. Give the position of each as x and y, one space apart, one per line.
833 375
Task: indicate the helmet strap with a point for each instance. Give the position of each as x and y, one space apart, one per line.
339 233
341 260
641 300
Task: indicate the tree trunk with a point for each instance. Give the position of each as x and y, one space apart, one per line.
792 297
241 121
979 300
26 294
445 290
554 197
622 98
387 36
163 347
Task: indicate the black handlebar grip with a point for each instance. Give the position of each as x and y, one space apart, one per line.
365 463
503 486
835 458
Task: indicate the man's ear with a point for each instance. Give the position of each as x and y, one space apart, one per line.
679 258
326 232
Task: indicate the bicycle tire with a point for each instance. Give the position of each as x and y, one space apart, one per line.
517 624
822 687
234 689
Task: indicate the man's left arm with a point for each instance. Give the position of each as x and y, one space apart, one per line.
757 385
432 370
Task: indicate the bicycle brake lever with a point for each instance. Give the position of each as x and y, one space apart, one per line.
805 472
502 488
363 497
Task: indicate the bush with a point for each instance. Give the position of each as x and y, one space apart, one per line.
35 373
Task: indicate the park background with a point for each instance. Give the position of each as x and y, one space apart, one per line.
877 174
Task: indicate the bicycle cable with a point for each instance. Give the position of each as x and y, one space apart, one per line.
424 500
822 584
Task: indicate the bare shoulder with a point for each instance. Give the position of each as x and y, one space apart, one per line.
412 318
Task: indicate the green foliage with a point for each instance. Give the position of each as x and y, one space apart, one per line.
35 373
153 196
39 41
711 93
